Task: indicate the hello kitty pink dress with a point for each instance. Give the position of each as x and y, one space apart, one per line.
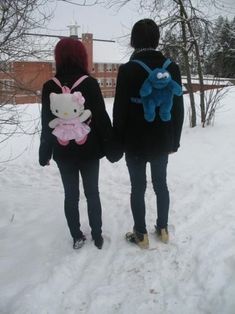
71 129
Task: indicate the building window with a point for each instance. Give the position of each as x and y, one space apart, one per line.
6 85
100 67
114 67
109 82
6 66
53 67
109 67
100 82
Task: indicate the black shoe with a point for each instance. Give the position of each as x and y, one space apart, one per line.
78 242
99 241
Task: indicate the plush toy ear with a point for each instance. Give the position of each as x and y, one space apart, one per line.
77 96
52 96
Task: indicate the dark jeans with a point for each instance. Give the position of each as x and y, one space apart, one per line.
89 171
137 171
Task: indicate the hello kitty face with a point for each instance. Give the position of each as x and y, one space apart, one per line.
67 106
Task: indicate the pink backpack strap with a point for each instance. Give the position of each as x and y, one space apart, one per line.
66 89
79 81
57 82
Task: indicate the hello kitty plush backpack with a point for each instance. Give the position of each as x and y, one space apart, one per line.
71 115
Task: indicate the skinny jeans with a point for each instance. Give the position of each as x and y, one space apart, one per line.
89 171
137 171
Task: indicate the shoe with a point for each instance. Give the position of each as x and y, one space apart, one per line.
99 241
162 234
140 239
79 242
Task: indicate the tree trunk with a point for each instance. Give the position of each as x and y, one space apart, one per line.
193 118
199 65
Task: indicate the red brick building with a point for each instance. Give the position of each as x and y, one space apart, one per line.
21 81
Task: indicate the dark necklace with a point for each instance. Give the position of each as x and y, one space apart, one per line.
143 49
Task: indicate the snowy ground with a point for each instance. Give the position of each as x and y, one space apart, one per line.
193 274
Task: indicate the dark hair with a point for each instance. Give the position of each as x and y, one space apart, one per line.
71 56
145 34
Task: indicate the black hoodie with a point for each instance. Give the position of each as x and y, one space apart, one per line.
101 129
137 136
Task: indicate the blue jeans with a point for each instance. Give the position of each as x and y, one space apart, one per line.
89 171
137 171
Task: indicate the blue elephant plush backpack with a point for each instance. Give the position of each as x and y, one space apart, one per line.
157 90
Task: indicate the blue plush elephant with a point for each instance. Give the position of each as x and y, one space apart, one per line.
158 91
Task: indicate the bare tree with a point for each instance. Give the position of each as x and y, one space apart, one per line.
16 19
213 99
186 19
185 50
184 13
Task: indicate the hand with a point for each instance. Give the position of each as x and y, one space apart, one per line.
114 153
114 158
44 163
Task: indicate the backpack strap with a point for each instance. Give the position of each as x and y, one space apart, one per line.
143 65
137 100
66 89
57 82
79 81
166 64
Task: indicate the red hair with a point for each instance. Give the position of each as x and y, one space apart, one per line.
71 54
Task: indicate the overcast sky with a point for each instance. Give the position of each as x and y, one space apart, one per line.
103 22
107 23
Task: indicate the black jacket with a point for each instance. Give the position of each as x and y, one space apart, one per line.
137 136
101 129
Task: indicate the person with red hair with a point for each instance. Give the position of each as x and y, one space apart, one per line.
73 159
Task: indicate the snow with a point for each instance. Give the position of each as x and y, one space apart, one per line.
193 274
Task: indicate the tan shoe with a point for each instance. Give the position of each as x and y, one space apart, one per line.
162 234
139 239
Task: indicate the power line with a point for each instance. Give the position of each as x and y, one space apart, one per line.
62 36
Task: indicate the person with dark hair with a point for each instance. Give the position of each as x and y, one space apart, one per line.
146 141
81 157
